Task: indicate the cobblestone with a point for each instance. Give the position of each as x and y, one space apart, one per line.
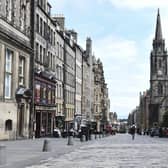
118 151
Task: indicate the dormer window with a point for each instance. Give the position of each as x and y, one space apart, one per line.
48 9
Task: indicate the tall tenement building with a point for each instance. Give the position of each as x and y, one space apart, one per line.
15 55
47 79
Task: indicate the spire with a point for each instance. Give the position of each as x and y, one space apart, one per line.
158 33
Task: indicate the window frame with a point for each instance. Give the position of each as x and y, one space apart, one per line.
8 72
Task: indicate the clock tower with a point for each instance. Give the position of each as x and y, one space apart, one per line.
158 76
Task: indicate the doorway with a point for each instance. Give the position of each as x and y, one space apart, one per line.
38 124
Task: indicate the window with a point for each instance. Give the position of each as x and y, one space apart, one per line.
37 51
41 54
51 37
155 65
44 29
44 54
23 16
48 10
49 94
37 92
57 49
51 60
8 125
96 97
160 63
48 59
8 73
54 60
9 10
160 89
54 38
41 26
37 23
21 71
53 95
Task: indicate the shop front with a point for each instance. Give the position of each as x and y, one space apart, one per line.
44 122
45 106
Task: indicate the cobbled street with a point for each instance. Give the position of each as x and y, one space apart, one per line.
118 151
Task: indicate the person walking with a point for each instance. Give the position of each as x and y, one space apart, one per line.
133 131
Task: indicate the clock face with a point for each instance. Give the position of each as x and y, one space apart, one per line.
160 72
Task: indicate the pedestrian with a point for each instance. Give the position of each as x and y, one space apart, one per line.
133 132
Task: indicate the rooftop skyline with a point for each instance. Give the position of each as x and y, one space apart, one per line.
122 35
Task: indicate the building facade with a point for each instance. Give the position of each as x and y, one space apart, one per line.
15 54
44 70
60 115
101 101
87 84
158 77
69 80
78 87
47 79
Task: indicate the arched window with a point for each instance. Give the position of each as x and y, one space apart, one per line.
160 63
160 89
8 125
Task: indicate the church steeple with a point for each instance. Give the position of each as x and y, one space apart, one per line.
158 42
158 33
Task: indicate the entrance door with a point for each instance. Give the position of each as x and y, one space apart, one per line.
38 124
21 120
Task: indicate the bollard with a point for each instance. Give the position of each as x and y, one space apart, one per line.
95 136
90 138
46 147
82 138
70 140
2 155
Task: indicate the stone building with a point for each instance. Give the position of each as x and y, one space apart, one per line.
158 77
134 118
69 80
144 109
113 118
44 70
154 102
87 85
60 114
99 95
15 55
78 88
106 105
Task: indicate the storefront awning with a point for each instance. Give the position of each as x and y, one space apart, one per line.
45 74
24 93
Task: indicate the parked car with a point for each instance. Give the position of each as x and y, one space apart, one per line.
163 132
57 133
154 132
64 133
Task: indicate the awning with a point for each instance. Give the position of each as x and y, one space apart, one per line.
24 93
45 74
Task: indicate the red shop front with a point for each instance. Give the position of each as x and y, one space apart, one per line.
45 106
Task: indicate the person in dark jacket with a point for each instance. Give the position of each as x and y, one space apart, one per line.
133 132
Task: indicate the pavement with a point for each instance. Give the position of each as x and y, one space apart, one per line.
118 151
22 153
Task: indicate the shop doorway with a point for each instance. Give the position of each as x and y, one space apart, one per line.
21 120
38 124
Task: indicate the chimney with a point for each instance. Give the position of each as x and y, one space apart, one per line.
73 34
88 46
60 20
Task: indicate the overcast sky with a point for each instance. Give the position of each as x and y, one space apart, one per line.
122 32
